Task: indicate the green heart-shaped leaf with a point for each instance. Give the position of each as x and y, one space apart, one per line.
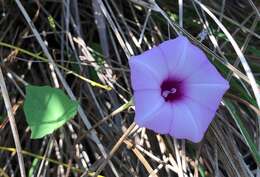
47 109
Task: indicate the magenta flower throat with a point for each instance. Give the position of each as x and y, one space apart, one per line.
172 90
176 89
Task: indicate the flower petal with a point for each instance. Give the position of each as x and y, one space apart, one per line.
148 70
192 62
203 115
141 77
147 103
202 87
174 52
160 121
208 95
184 123
207 74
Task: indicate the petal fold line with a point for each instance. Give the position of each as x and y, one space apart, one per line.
149 114
155 75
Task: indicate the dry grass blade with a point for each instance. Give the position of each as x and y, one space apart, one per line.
141 158
12 123
238 51
67 88
84 46
114 149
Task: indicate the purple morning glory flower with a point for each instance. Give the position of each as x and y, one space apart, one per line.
176 89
